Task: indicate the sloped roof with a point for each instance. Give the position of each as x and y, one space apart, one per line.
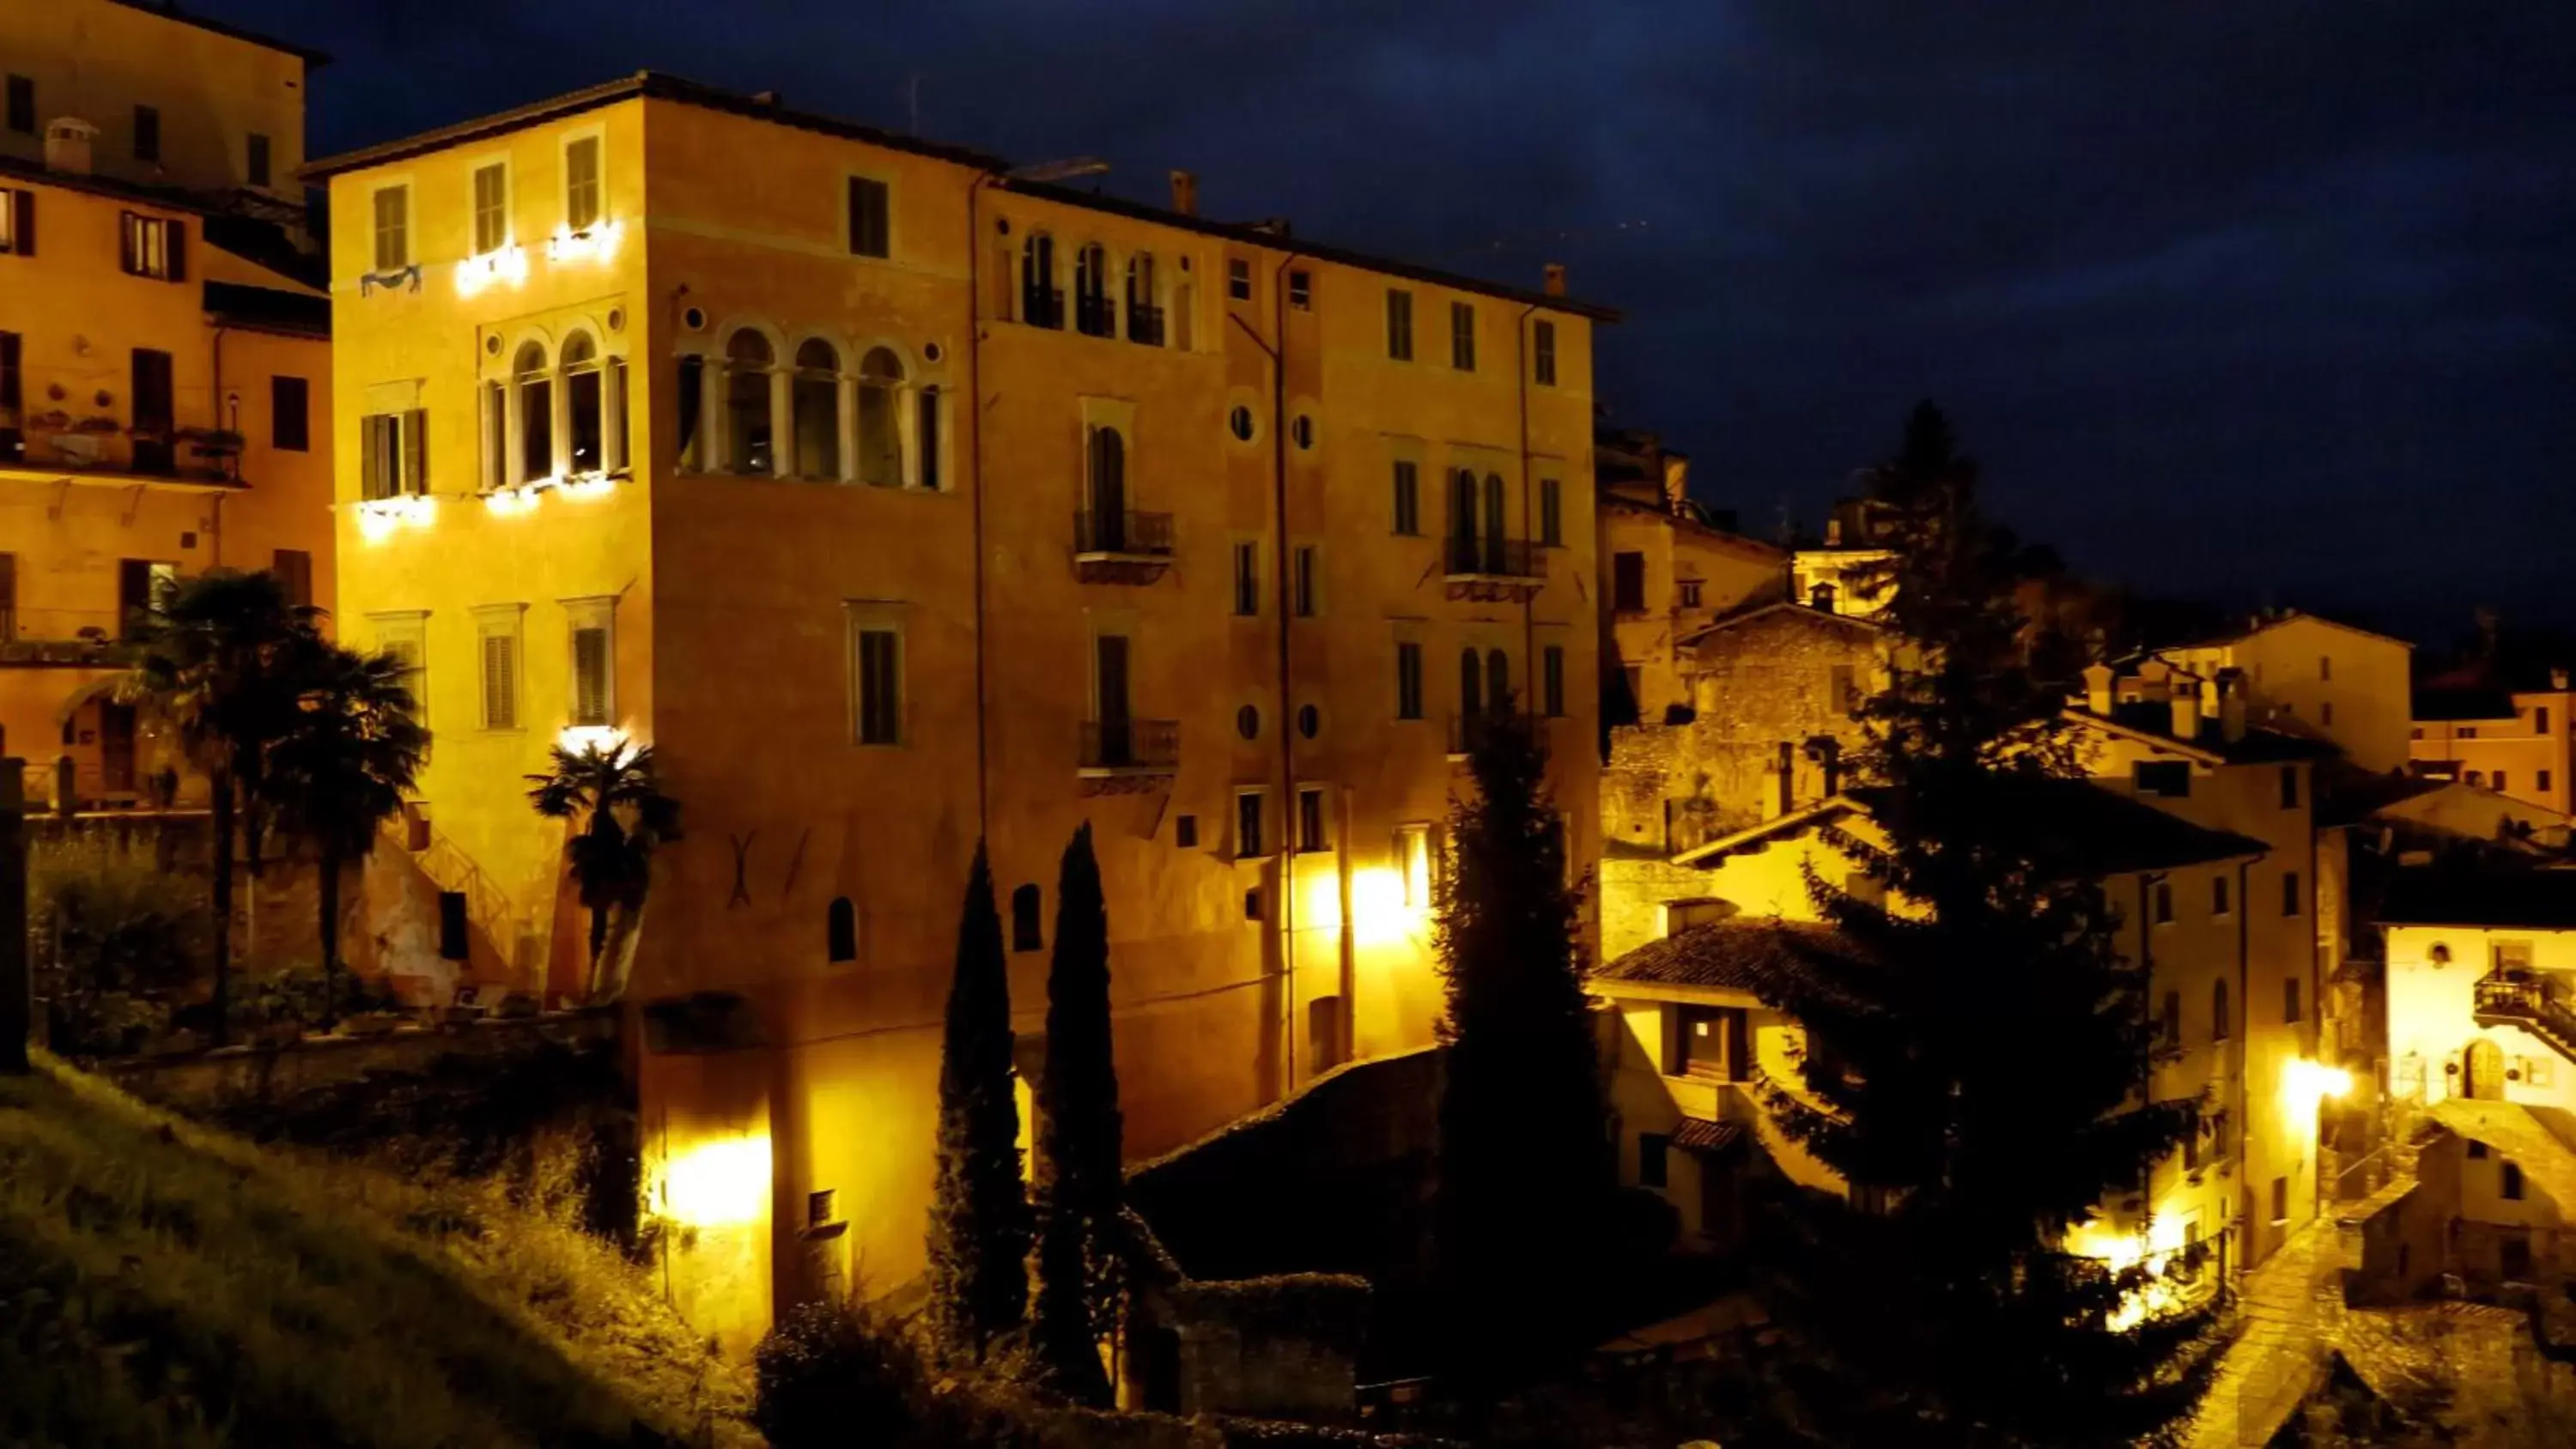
2152 722
1698 1134
1803 613
2539 899
2291 617
1746 954
2098 831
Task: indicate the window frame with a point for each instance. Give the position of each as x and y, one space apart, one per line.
404 633
1314 820
1406 483
1251 805
2292 904
280 386
505 213
1543 351
597 138
1246 603
1462 335
852 183
585 615
501 622
1238 279
1408 679
154 248
882 618
1306 580
1551 513
1399 324
377 232
1301 289
17 221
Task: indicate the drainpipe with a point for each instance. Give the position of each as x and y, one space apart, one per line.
2240 1034
975 479
1530 668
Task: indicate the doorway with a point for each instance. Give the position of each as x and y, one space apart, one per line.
115 748
2482 1075
1110 681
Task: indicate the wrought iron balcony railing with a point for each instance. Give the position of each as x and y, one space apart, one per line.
1095 316
1145 324
1141 746
2524 1000
1042 306
1493 557
1126 532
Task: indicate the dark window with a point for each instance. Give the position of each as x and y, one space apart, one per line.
2540 720
926 438
2510 1187
693 387
1551 512
2498 782
1026 934
1408 496
868 235
1247 722
1543 353
2218 1024
2289 787
1310 819
1301 290
294 570
1690 593
2477 1150
1408 680
1238 279
1247 824
2169 1026
1462 336
2169 778
2290 1013
1041 303
290 420
1552 679
1247 579
258 158
22 104
1238 421
17 222
8 597
451 925
1310 721
12 393
1399 325
1185 832
2218 902
2280 1200
1628 583
841 931
2540 781
880 667
1252 904
2291 905
1653 1148
1305 581
147 133
155 408
2164 902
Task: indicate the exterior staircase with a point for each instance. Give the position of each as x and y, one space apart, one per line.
493 920
2504 1000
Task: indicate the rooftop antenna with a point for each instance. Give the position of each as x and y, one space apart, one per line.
1064 170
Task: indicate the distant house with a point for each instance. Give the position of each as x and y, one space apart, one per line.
1668 570
2512 740
2343 683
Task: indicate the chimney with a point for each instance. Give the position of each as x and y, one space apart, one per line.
2231 705
2558 679
1556 279
67 145
1676 482
2097 688
1828 753
1185 192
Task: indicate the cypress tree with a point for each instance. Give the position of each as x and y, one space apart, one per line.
979 1215
1974 1056
1080 1190
1524 1163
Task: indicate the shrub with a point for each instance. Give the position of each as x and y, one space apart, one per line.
115 941
834 1374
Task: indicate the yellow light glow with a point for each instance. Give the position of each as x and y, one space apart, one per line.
577 738
2305 1084
1379 916
506 267
2155 1247
1319 902
589 485
599 244
723 1183
508 501
380 518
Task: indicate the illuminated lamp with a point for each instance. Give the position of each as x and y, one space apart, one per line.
719 1183
506 267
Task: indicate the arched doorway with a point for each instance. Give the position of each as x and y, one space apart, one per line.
2482 1074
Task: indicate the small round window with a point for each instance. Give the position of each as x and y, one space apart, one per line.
1310 721
1239 422
1303 430
1247 722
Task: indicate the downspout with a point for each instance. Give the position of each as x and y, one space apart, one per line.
1530 669
2240 1032
975 478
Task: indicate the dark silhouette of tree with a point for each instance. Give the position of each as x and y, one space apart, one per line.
1081 1192
1974 1055
979 1211
624 815
341 770
1524 1164
217 657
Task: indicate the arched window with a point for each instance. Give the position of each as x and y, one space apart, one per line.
816 403
693 402
925 437
748 441
585 414
1498 684
2218 1027
841 930
1026 934
1091 314
880 431
1144 317
536 404
1041 300
1107 465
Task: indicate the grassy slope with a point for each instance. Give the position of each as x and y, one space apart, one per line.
161 1283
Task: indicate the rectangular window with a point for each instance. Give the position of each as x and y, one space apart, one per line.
2540 720
1301 290
2164 902
1628 583
153 247
141 584
1654 1151
1690 593
1238 279
147 133
1307 582
869 217
1413 858
2219 904
2499 781
1399 324
2168 778
17 222
2290 1013
877 659
1552 680
22 104
2467 732
294 570
594 661
581 183
1408 679
1408 496
2289 787
1551 513
1543 353
393 454
256 147
496 436
2291 905
926 439
13 396
1462 336
2540 782
290 417
1185 832
1247 579
2325 668
491 207
406 638
498 640
393 228
1247 825
1310 819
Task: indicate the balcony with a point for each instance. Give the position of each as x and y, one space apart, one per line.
2518 998
1042 306
1492 568
78 438
1466 731
1130 753
64 639
1095 316
1121 546
1145 324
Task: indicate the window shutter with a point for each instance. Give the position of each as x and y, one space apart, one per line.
500 678
371 456
177 232
590 676
415 455
126 223
23 226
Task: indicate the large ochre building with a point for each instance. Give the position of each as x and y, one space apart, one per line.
897 500
165 388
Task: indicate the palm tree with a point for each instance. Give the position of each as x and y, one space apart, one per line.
342 769
216 663
625 815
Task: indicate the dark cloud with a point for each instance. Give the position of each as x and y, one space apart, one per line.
2256 299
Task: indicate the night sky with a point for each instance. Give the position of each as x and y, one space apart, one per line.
2260 302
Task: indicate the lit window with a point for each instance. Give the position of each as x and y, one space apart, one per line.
491 207
581 183
393 228
1399 324
594 660
497 639
815 399
153 247
870 217
1543 352
1413 858
1462 336
17 222
392 454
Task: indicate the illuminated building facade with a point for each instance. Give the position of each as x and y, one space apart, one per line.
165 387
896 500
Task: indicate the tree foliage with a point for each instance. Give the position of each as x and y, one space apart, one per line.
1081 1187
1975 1055
979 1212
618 798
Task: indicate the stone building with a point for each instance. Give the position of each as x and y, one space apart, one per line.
1673 569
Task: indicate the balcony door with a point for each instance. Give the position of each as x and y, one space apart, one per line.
1108 491
1109 677
115 748
155 413
1494 523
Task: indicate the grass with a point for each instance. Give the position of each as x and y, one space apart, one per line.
162 1283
